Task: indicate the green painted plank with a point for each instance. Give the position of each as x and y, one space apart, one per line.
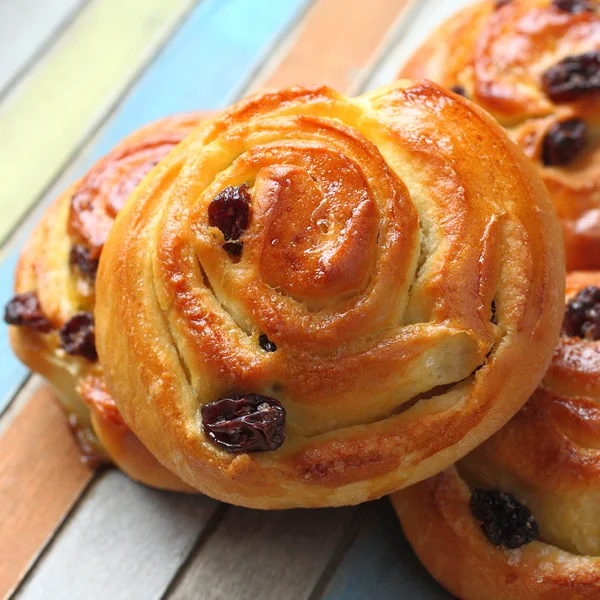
50 112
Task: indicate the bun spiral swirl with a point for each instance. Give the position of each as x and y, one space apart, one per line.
548 459
535 66
364 271
56 277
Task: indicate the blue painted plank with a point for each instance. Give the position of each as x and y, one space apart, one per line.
381 564
201 67
12 372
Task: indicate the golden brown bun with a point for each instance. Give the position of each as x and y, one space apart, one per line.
498 56
82 217
548 458
382 229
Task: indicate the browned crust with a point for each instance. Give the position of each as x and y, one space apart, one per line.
498 56
353 347
548 456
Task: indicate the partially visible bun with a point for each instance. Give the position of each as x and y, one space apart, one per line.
513 59
548 459
56 277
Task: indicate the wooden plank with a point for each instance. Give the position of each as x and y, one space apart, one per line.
409 34
41 477
125 541
264 554
27 28
46 116
381 564
333 44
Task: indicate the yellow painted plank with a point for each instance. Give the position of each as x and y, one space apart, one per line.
45 118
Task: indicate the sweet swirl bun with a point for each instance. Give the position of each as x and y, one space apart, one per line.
325 296
535 66
52 313
548 459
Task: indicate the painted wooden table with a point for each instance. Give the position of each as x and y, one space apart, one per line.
75 77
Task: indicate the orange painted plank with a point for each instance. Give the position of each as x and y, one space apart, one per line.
41 478
335 43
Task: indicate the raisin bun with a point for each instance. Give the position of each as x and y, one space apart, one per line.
517 519
535 66
325 296
52 312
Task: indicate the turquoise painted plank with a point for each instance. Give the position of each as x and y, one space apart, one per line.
380 564
205 63
202 66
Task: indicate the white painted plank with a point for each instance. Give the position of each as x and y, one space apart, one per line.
269 555
124 541
26 28
409 34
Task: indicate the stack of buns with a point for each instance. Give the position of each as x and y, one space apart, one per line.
314 300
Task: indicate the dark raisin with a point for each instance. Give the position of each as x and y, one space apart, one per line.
77 336
564 142
230 211
233 248
266 344
80 257
24 310
501 3
459 89
582 315
504 520
573 6
573 77
245 423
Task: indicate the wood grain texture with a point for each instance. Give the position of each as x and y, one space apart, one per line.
41 477
124 541
381 564
424 17
48 114
27 27
264 554
333 44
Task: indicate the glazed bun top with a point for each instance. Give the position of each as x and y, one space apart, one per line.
316 299
535 66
